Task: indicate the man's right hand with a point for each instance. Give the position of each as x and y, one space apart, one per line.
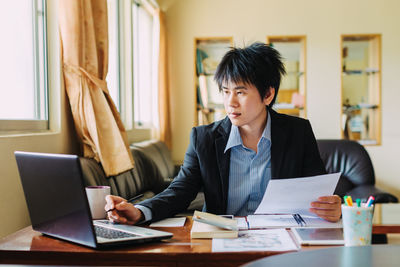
121 211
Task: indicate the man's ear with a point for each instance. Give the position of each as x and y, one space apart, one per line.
269 96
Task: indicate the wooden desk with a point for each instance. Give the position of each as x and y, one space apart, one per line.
30 247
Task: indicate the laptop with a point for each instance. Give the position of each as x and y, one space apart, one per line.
58 206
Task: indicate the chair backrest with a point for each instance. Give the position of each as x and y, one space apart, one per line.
144 178
351 159
160 154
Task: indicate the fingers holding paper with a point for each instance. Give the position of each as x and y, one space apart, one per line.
120 211
327 207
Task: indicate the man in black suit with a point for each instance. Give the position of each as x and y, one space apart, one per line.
232 160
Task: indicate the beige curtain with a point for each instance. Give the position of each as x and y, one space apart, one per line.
163 89
84 39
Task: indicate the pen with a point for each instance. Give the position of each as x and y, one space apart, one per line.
358 201
349 201
247 222
344 200
302 220
370 200
130 200
299 219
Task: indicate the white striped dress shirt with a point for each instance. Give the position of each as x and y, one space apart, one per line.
249 172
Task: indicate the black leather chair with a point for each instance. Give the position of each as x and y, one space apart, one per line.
352 160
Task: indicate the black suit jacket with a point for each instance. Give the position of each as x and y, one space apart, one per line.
294 153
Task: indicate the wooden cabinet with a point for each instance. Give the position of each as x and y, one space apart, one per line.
292 92
208 52
361 88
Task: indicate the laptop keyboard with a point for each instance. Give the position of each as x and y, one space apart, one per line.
111 233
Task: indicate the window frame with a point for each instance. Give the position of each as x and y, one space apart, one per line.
41 93
146 6
117 28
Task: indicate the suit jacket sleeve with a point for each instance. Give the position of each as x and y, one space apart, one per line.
312 164
183 189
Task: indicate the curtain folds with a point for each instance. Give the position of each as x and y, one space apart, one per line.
84 40
163 89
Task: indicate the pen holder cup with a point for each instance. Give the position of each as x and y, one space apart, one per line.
357 225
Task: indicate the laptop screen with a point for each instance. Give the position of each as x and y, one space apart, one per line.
55 196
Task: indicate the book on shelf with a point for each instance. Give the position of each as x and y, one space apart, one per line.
203 90
200 56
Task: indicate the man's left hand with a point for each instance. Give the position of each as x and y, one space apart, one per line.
327 207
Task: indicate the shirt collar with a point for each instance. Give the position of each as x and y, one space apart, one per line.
235 139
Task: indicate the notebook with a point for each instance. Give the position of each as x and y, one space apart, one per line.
58 206
205 230
207 225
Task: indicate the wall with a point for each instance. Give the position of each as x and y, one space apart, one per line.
322 22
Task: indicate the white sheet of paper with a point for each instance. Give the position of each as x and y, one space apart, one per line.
295 195
170 222
271 221
242 223
256 240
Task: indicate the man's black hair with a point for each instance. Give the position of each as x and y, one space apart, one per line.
258 64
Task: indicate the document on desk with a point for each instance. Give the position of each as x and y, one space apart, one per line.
170 222
293 196
262 221
256 240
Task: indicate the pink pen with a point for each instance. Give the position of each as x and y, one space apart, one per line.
369 202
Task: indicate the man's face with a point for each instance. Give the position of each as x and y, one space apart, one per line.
243 104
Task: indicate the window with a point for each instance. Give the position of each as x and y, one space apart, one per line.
145 66
113 81
23 66
132 77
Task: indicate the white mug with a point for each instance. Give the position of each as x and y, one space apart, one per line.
97 200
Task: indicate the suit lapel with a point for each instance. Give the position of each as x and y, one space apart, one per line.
223 159
278 142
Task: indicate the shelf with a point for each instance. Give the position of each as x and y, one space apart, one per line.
360 106
292 92
286 106
367 142
361 86
359 72
298 73
208 53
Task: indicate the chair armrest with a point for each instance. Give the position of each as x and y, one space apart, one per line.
364 191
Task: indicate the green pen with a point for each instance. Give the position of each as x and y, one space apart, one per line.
358 202
344 198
